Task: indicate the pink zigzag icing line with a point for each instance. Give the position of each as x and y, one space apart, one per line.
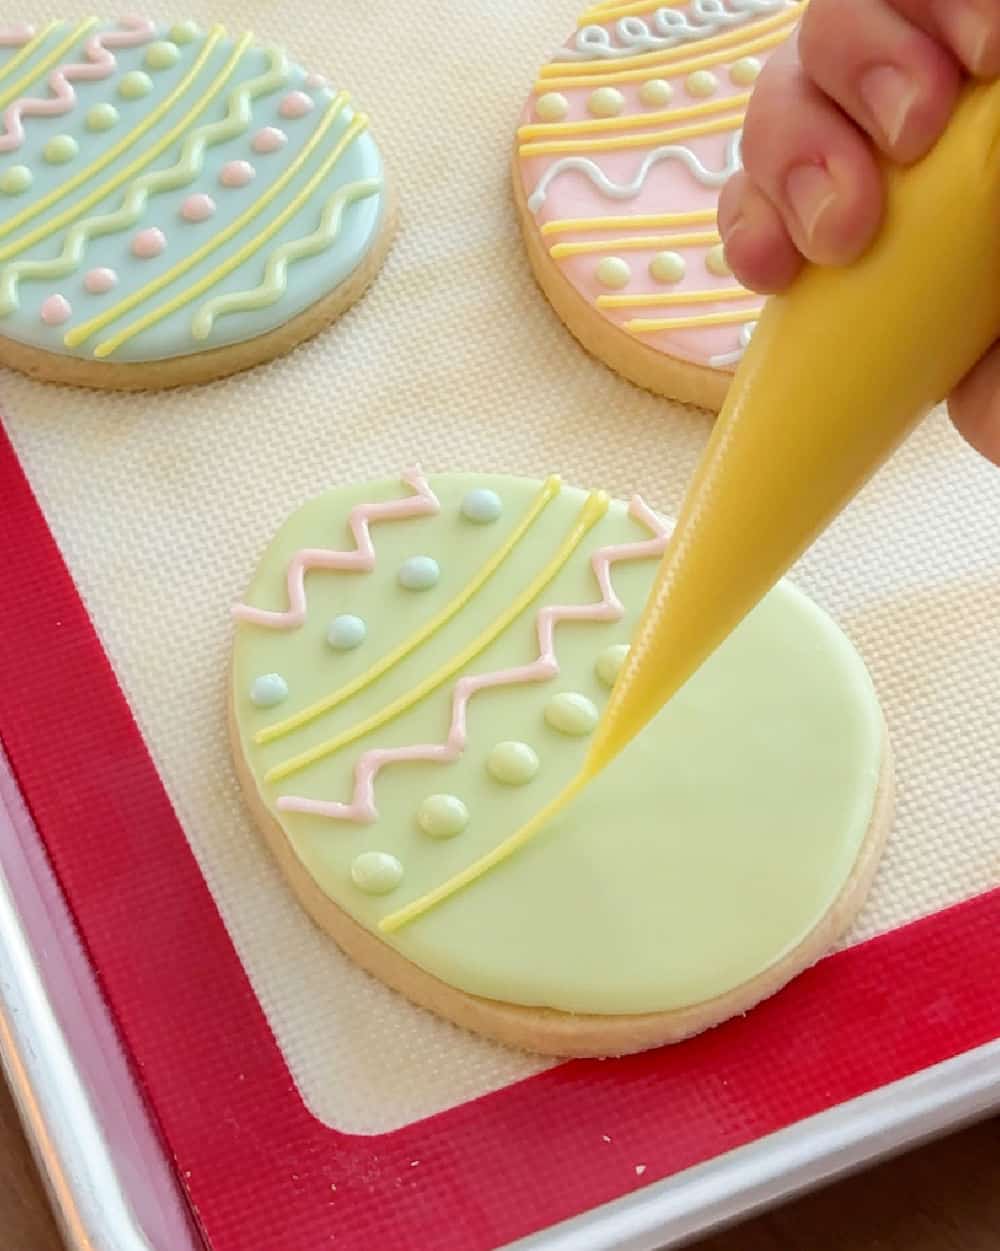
99 64
15 36
609 608
421 504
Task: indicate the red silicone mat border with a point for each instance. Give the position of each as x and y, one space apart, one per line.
259 1170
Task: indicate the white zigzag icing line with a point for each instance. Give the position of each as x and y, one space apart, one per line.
362 560
609 608
99 64
670 28
628 190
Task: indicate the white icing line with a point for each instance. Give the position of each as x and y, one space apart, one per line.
593 43
734 358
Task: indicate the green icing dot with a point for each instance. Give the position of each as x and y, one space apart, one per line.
134 85
101 116
571 713
610 662
442 816
376 872
162 54
184 32
60 149
15 180
514 764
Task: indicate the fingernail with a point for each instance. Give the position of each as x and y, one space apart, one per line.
810 191
888 95
973 34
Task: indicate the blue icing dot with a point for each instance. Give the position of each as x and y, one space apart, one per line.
419 573
346 632
268 690
481 506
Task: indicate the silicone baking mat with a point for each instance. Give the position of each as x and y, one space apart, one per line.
292 1090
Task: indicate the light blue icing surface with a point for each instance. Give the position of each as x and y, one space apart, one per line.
308 280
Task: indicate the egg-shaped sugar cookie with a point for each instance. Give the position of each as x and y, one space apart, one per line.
723 851
629 135
177 202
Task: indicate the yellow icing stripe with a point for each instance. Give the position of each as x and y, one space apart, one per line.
614 8
503 851
642 221
29 50
210 91
593 510
549 491
657 300
84 331
636 243
555 130
665 56
36 71
619 143
652 324
681 67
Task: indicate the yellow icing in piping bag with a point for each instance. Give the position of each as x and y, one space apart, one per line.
839 371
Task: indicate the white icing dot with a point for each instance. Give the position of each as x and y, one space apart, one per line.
551 107
744 71
606 102
513 764
481 505
656 92
237 173
99 280
346 632
197 207
270 139
149 243
268 690
442 816
610 662
667 267
376 872
296 104
419 573
55 310
716 263
701 83
571 713
613 272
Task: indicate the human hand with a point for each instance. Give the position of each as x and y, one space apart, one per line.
865 77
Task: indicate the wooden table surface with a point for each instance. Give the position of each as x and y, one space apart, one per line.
944 1197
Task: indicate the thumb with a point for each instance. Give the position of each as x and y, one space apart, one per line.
975 406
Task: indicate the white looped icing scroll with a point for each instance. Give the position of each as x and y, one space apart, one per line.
667 28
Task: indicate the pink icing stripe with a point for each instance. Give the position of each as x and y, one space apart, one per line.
608 608
99 64
15 36
421 504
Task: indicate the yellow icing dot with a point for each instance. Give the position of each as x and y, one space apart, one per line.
551 107
606 102
134 85
513 764
667 267
184 32
101 116
613 272
15 180
376 872
701 83
716 263
442 816
60 149
162 54
656 92
744 71
571 713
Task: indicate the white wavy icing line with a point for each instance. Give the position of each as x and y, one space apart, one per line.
15 36
629 190
362 560
593 43
734 358
609 607
100 64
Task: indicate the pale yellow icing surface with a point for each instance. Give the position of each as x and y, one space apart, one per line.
708 849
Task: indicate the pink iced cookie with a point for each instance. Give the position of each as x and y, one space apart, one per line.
632 130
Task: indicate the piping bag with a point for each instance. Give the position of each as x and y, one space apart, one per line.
839 370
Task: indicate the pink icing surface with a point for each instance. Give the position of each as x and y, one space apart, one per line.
668 187
55 310
609 607
15 36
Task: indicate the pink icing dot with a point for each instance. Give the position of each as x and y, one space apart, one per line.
196 208
315 81
236 173
149 243
296 104
97 281
270 139
56 310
